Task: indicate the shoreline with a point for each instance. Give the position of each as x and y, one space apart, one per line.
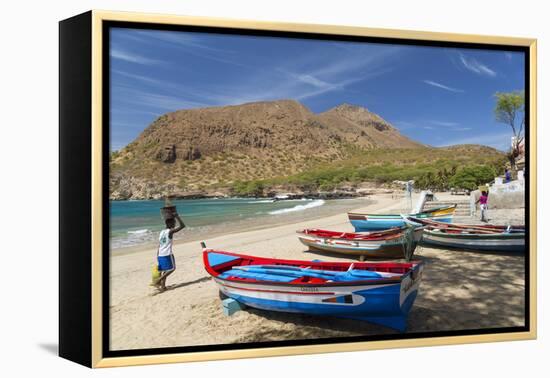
249 224
460 290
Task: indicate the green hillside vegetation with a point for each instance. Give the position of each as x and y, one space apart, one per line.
261 148
463 167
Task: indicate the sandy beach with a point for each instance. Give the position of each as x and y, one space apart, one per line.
460 290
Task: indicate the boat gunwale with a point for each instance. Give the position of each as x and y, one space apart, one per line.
399 232
380 243
502 235
392 216
439 229
414 266
391 233
379 253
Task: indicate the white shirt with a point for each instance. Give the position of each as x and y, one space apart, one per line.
165 243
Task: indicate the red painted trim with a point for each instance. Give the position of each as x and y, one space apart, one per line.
391 267
279 291
328 265
353 236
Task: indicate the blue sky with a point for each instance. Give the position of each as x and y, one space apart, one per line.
437 96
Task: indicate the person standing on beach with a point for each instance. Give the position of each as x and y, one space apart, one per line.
483 205
165 256
507 176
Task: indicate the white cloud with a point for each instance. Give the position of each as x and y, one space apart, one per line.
477 67
444 123
199 95
312 80
132 57
269 83
188 42
427 125
356 60
313 73
442 86
119 111
274 82
181 39
325 74
129 95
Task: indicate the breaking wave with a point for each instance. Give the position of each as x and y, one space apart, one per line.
310 205
139 232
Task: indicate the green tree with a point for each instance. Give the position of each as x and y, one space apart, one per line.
471 177
253 188
510 110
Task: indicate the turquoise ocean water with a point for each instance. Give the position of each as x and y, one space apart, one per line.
138 222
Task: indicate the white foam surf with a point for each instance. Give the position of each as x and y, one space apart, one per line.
139 232
310 205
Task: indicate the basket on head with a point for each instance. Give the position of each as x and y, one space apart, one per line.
168 211
483 188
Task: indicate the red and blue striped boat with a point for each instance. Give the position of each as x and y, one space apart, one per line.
381 293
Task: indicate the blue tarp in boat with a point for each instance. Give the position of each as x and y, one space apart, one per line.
256 276
289 273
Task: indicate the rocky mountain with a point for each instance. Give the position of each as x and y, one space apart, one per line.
188 151
364 129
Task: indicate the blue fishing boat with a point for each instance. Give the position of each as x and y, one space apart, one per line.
373 222
381 293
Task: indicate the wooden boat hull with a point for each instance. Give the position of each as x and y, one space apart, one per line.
373 222
384 301
392 248
476 237
477 242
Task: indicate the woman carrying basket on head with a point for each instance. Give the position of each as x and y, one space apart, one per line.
483 205
165 256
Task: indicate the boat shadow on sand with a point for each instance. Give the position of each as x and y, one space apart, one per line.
463 290
469 290
474 251
303 326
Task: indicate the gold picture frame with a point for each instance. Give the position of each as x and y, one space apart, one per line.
91 267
